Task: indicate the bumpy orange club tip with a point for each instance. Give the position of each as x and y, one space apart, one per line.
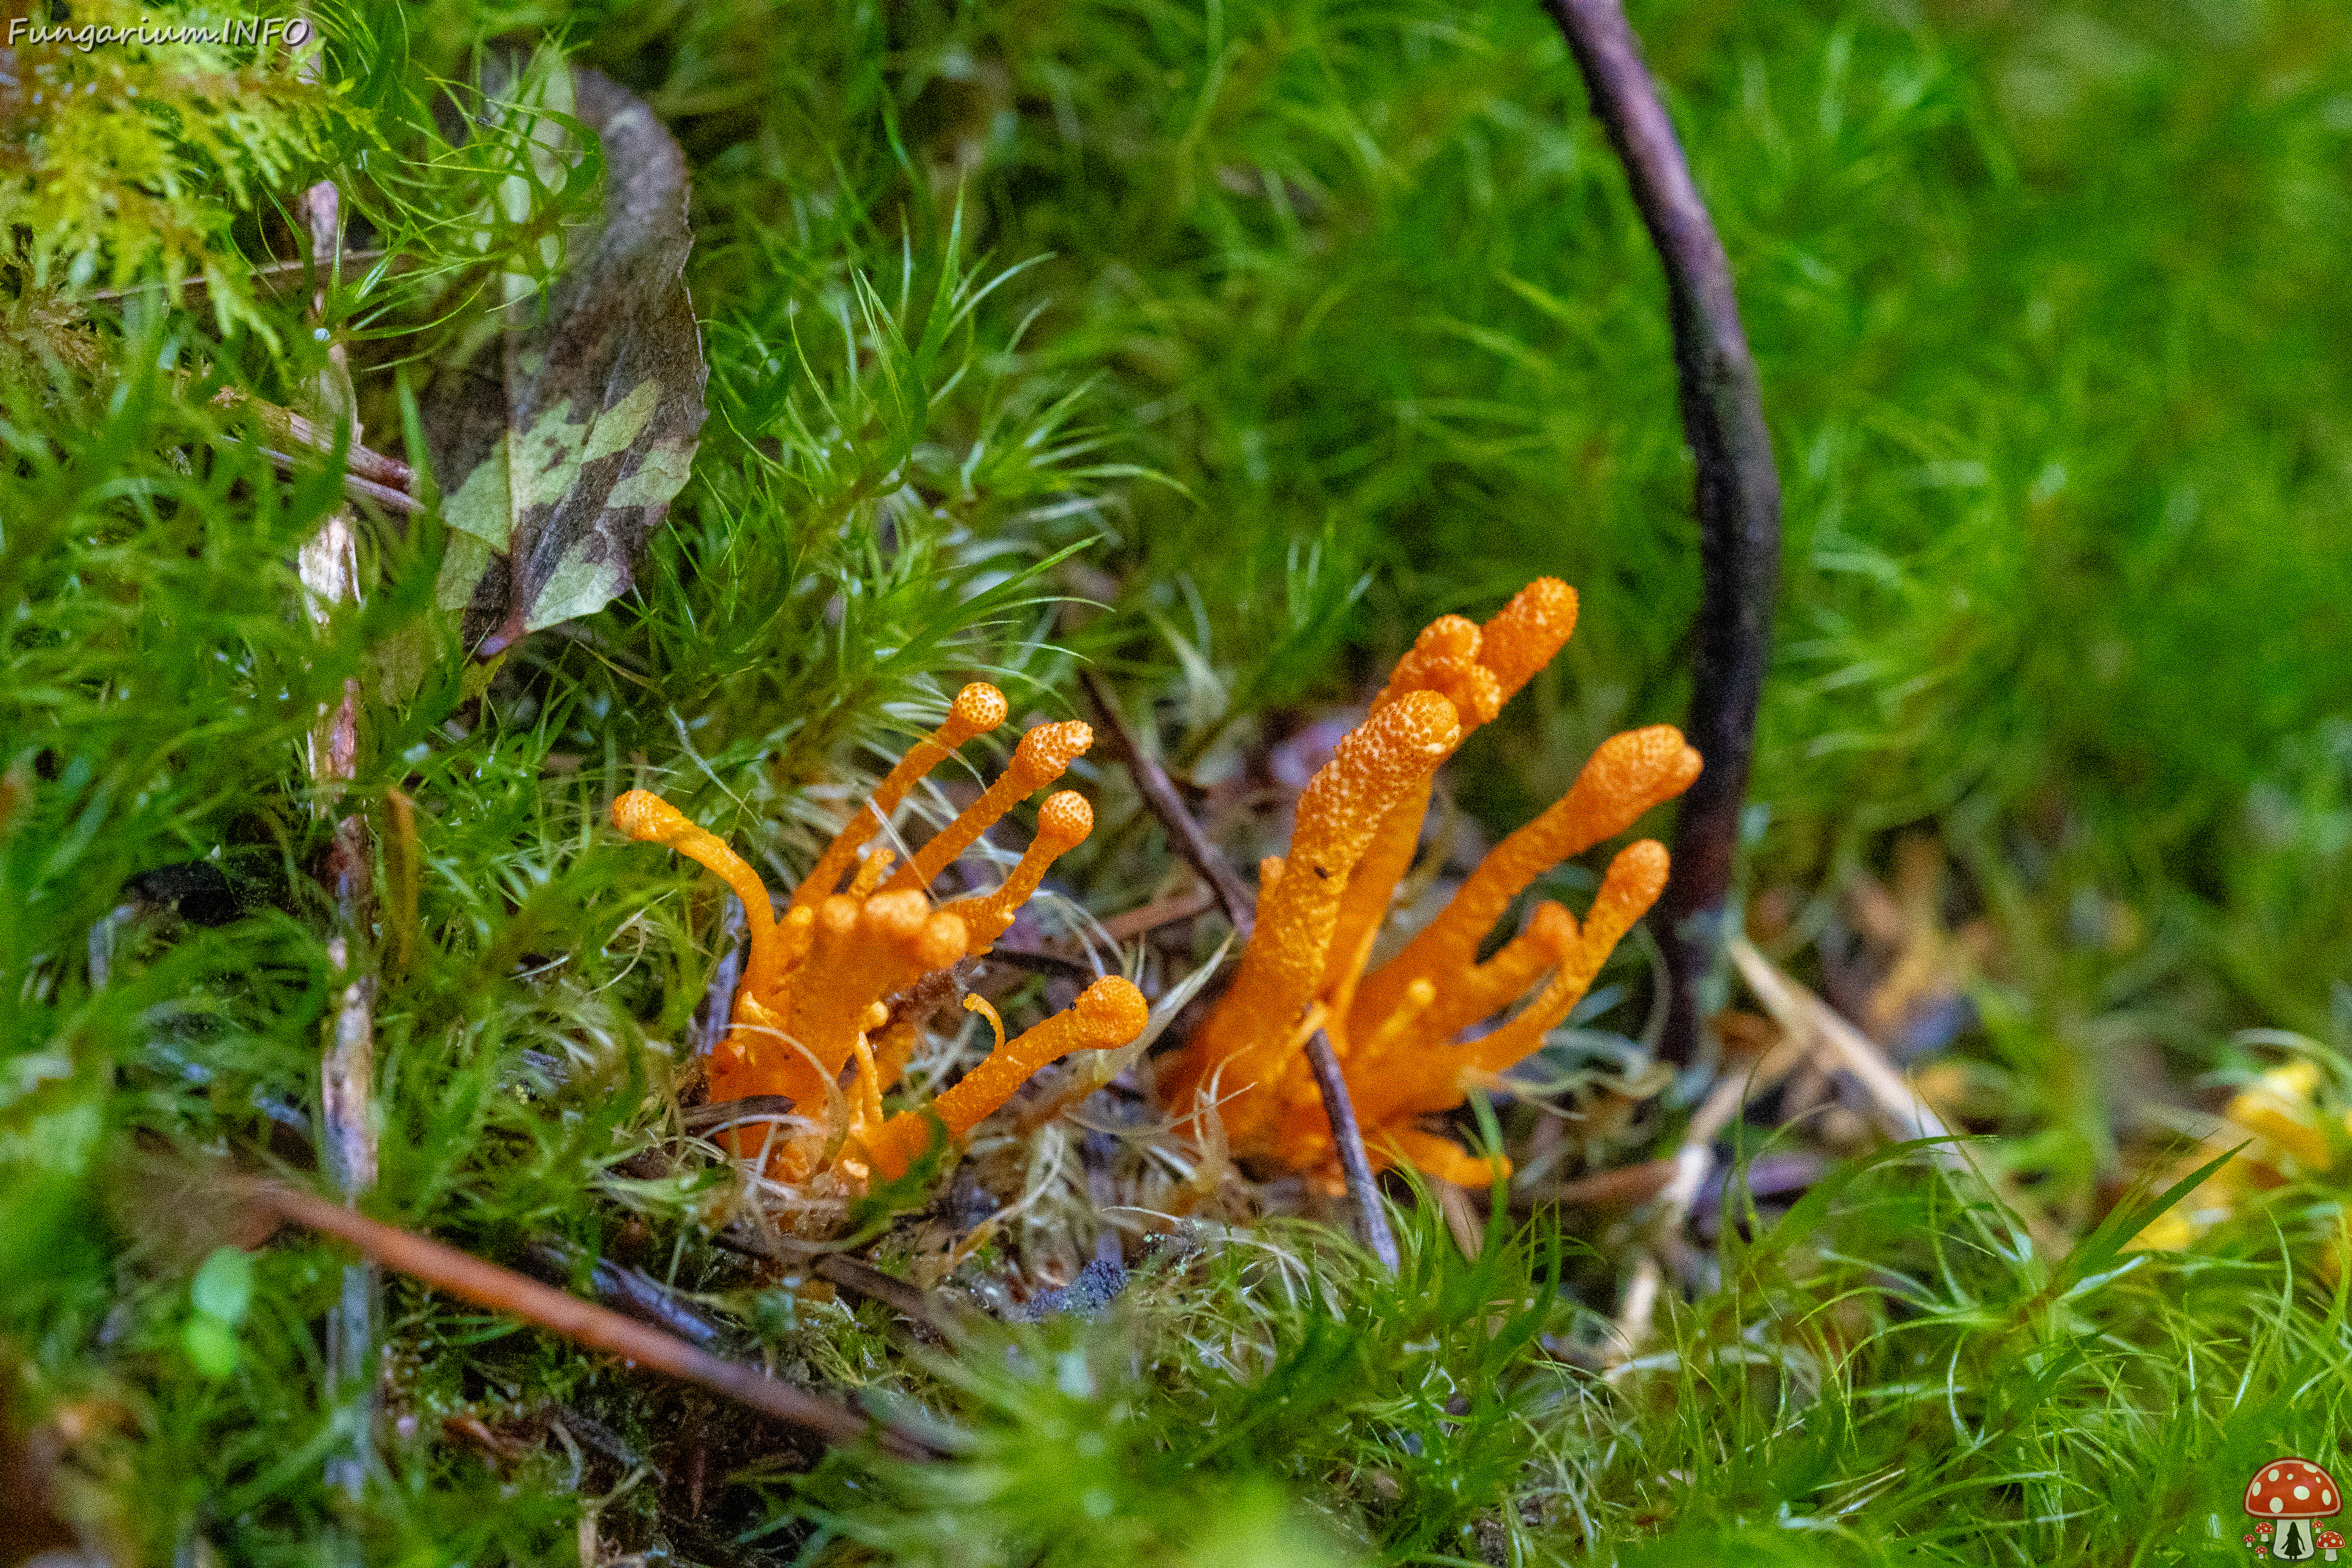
977 709
1252 1034
1062 823
649 819
1444 659
1108 1013
1525 633
1043 754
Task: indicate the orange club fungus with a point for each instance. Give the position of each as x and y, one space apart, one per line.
812 1018
1405 1033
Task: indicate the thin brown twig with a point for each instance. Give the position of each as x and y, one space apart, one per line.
1032 961
369 475
1738 500
719 1115
1159 791
1363 1187
854 1275
625 1289
268 272
716 1011
291 429
485 1284
354 487
755 1238
1625 1187
1150 917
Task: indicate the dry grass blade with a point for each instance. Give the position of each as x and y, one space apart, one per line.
1688 1171
1099 1069
1803 1015
719 1115
1694 1158
1635 1311
1901 1112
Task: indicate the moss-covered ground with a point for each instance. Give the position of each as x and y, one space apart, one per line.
1218 345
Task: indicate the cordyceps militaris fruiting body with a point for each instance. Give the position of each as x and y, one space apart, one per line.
1397 1031
811 1020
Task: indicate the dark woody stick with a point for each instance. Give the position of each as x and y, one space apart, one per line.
1739 497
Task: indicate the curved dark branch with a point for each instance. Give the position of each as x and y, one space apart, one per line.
1348 1137
1159 791
1738 498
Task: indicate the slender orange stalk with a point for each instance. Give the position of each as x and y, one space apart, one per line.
1628 775
1043 754
1062 823
1253 1034
649 818
978 708
1108 1013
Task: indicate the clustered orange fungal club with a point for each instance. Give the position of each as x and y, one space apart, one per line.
1397 1030
811 1019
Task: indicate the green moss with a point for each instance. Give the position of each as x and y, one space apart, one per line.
1275 328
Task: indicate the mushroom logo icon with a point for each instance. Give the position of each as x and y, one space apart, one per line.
2290 1494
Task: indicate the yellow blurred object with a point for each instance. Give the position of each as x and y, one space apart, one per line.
2288 1134
2282 1108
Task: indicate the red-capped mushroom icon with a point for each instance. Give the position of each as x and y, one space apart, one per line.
2331 1541
2291 1493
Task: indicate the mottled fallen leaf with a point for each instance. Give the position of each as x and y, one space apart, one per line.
560 442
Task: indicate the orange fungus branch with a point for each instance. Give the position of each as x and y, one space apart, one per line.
1399 1031
811 1020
